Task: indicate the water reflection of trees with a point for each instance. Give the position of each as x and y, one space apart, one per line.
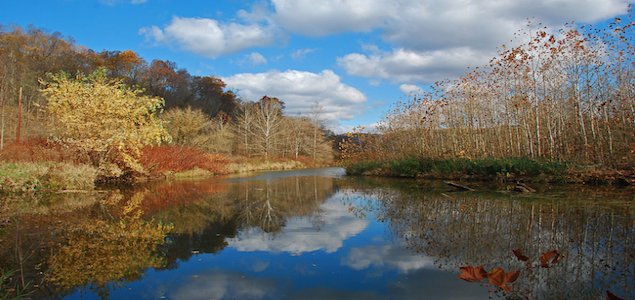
593 228
102 241
98 245
250 207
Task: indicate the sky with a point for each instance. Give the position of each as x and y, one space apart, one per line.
356 58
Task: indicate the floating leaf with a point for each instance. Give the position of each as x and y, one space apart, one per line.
545 257
610 296
500 279
519 254
472 274
496 276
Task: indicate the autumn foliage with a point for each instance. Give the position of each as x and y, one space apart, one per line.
160 159
562 95
103 118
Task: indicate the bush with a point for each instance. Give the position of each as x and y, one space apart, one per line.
164 159
407 167
37 149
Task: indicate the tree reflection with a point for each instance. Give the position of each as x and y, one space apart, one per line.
116 248
250 207
593 229
97 246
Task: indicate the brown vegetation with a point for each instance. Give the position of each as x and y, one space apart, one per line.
564 97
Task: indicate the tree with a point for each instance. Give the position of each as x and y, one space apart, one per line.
188 128
317 117
268 126
104 118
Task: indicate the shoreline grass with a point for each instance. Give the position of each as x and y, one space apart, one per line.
26 177
501 169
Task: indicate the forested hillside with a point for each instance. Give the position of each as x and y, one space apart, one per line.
199 113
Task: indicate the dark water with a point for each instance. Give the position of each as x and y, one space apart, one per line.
317 234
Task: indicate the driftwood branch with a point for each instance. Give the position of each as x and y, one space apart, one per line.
523 188
456 185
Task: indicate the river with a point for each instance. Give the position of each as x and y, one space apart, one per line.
319 234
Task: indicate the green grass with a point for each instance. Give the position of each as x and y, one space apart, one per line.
486 168
46 176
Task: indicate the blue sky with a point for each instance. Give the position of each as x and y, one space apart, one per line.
355 57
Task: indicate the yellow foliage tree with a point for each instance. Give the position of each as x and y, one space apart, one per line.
104 118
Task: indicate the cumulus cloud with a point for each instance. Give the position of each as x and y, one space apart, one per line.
209 37
254 58
403 65
300 237
450 23
387 257
223 284
318 18
432 40
409 88
300 89
301 53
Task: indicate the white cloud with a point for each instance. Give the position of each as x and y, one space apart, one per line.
300 237
301 53
209 37
431 23
318 18
404 65
221 284
386 257
254 58
432 40
409 88
367 128
299 90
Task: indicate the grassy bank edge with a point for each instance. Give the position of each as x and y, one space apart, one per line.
492 169
26 177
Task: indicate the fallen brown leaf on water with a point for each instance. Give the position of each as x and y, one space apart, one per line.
519 254
545 257
472 274
500 279
610 296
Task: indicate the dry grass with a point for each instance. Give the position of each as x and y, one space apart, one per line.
243 164
28 177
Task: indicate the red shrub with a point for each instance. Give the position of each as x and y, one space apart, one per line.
40 149
157 159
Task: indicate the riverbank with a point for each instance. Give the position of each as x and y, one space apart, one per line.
24 177
494 169
50 176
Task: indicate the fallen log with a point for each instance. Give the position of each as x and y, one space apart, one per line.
523 188
456 185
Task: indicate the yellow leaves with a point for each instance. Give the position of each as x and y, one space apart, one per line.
98 115
104 250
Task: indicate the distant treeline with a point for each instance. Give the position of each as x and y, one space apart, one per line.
27 55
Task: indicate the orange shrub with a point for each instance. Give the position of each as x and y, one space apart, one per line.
37 149
158 159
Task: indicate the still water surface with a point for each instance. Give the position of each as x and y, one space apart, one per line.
318 234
